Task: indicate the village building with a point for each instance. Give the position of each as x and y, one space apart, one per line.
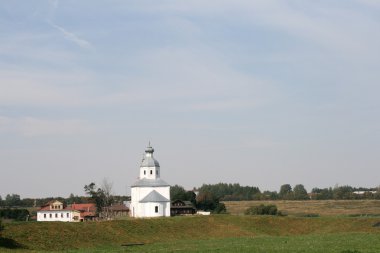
56 211
180 207
116 210
150 195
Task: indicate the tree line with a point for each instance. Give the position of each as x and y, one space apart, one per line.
14 200
207 195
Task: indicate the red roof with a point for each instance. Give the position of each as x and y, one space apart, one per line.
89 207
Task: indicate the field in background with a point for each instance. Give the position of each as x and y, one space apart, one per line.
320 207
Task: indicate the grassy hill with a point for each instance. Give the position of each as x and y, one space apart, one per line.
53 236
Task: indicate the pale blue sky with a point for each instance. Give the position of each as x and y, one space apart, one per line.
260 93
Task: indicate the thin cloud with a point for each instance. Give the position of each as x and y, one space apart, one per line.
72 37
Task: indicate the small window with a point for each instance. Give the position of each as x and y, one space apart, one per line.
50 215
156 209
151 172
67 215
144 172
157 172
56 215
61 215
45 215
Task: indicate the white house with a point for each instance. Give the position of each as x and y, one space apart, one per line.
150 195
55 211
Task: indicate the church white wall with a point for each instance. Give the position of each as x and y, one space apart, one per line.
138 193
148 209
155 172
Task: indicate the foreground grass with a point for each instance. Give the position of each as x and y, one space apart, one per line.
220 233
328 243
320 207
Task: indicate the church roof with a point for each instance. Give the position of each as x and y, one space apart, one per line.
154 196
144 182
149 162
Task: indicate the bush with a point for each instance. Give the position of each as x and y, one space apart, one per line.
309 215
220 208
262 210
1 227
15 214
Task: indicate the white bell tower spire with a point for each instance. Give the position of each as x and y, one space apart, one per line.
150 168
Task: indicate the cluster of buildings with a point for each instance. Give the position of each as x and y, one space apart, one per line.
150 197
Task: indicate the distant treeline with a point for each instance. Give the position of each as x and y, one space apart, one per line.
226 192
15 214
14 200
220 192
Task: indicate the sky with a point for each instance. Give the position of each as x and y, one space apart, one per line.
259 92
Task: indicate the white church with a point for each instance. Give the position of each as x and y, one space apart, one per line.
150 195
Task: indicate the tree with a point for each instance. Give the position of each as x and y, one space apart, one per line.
272 195
101 196
285 191
107 197
177 192
12 200
192 197
300 192
96 194
74 199
207 201
343 192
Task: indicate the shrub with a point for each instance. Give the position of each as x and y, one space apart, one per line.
1 227
262 210
220 208
310 215
16 214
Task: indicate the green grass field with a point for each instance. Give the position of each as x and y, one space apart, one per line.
219 233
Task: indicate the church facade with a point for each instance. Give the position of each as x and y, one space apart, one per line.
150 195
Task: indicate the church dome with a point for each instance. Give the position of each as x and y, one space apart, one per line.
148 160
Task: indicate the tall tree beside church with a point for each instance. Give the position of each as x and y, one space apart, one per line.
101 196
177 192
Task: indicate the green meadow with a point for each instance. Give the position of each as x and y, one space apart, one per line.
217 233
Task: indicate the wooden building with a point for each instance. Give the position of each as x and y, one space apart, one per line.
180 207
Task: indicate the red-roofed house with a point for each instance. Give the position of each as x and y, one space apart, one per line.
56 211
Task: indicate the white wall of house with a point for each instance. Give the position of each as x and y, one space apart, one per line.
58 215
